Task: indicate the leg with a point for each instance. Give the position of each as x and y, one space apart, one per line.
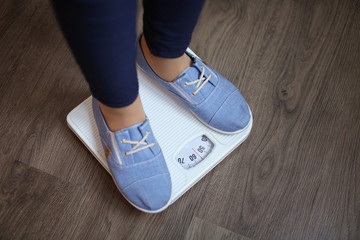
101 35
211 97
168 26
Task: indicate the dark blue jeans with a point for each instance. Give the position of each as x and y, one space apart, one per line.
102 37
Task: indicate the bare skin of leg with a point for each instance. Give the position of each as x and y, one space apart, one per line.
166 68
120 118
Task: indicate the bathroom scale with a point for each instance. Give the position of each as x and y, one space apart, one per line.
190 148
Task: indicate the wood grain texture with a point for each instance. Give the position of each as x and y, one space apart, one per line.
297 176
200 229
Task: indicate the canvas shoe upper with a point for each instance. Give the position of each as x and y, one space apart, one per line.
136 163
212 98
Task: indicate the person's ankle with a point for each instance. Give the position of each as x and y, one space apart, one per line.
166 68
120 118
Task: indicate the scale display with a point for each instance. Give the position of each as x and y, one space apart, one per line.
194 151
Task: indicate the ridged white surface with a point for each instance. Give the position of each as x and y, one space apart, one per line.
173 125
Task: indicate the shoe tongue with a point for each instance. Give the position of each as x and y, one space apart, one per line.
135 134
134 131
193 72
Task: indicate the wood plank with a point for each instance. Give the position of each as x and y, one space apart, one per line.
296 176
201 229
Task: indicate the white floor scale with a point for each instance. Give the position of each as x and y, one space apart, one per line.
190 148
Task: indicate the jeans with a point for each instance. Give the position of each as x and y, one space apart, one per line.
102 37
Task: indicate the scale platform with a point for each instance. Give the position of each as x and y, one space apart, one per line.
190 148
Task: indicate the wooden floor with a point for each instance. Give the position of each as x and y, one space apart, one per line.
297 176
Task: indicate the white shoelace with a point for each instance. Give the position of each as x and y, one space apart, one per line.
135 148
199 85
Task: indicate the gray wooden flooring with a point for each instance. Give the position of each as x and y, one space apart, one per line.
297 176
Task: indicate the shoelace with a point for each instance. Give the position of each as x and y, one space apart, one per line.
198 81
134 149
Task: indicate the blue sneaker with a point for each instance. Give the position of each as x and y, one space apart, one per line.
136 163
213 99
